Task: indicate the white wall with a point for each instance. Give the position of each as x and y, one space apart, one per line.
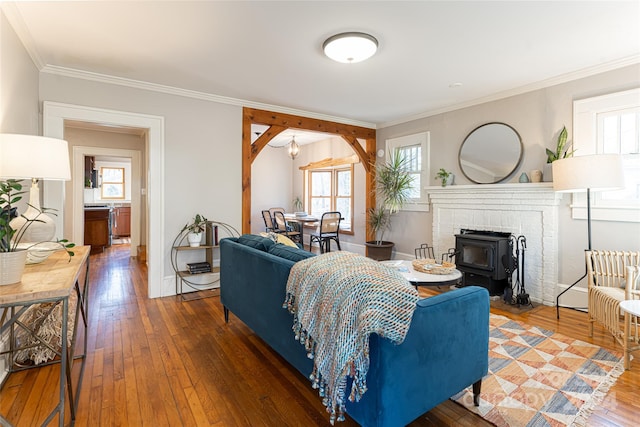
18 84
538 117
202 170
271 184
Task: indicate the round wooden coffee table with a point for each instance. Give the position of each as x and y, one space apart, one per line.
418 278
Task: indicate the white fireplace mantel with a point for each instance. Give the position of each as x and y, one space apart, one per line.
530 210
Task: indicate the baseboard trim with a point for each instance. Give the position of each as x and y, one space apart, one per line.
576 297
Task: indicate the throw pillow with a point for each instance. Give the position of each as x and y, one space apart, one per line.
256 242
291 253
279 238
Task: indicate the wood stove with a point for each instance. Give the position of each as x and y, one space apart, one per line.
484 258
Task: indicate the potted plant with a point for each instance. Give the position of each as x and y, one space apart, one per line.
445 177
297 206
196 228
13 254
393 188
561 152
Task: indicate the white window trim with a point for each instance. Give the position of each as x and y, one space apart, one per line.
585 113
422 138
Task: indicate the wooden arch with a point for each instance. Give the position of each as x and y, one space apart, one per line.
279 122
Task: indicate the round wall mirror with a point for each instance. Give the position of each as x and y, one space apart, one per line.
490 153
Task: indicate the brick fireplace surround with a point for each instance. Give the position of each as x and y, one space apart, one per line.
520 209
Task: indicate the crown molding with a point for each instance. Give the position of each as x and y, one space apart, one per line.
171 90
564 78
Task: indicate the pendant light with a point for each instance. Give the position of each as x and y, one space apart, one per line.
294 148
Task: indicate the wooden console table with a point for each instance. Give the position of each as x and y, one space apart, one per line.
52 281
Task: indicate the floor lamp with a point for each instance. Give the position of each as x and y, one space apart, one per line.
596 172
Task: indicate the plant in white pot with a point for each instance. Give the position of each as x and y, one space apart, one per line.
196 228
393 184
562 152
14 254
445 177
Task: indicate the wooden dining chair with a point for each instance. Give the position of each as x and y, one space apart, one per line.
268 221
328 231
281 226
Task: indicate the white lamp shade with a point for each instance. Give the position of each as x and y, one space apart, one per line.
350 47
31 156
596 172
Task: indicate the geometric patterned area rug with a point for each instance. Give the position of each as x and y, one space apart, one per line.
541 378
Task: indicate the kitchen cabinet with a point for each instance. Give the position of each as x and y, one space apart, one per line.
121 221
97 228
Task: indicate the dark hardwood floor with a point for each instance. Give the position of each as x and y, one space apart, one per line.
163 362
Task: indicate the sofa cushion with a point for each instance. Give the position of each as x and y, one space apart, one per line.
256 242
290 253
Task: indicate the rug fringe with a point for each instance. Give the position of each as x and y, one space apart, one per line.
598 395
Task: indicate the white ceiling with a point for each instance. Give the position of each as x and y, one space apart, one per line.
268 54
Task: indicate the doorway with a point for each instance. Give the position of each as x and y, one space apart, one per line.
55 115
138 232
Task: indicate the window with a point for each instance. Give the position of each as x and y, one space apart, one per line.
415 150
112 183
610 124
332 190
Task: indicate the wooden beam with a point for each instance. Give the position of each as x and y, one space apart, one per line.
329 162
364 157
264 139
279 122
316 125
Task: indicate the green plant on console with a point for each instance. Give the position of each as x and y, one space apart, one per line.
443 175
11 193
561 152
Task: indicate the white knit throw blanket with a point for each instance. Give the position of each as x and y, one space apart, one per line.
338 299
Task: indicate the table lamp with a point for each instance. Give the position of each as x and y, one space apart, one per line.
595 172
34 157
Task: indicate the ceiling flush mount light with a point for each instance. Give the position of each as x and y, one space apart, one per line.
294 148
350 47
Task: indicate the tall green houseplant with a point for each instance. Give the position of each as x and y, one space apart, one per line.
393 184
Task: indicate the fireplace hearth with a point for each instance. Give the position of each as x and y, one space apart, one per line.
484 258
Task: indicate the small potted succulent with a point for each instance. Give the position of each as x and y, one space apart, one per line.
196 228
445 177
14 254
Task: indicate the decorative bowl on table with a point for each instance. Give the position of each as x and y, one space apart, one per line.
38 252
300 214
428 265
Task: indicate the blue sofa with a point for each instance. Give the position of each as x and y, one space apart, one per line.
445 350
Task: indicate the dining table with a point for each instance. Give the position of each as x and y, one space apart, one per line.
302 220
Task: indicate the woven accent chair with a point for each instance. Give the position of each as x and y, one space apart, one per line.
328 230
608 286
